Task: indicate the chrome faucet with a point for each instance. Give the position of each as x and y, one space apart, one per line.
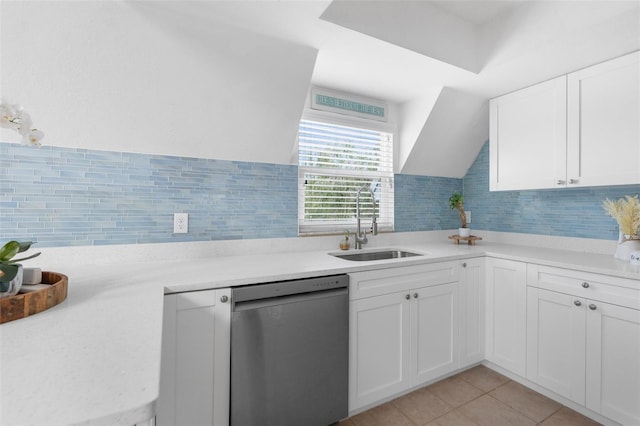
361 236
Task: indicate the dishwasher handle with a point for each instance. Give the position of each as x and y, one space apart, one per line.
286 288
248 305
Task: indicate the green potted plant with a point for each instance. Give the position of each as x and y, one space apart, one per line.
456 201
10 269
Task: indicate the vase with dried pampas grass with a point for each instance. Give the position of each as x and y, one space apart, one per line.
626 211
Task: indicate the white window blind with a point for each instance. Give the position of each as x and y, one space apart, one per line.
334 162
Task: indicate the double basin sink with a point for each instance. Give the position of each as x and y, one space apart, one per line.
381 254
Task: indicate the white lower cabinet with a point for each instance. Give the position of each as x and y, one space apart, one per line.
434 331
574 333
404 338
379 348
506 314
472 315
613 362
556 342
194 381
583 340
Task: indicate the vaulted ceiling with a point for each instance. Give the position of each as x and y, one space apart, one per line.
437 62
440 61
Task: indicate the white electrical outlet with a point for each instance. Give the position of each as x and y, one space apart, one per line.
468 213
180 223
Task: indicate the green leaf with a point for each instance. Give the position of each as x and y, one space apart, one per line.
25 245
9 250
10 272
26 258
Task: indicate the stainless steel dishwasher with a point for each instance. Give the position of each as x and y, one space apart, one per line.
290 352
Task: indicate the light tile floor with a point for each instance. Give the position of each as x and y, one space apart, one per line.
476 397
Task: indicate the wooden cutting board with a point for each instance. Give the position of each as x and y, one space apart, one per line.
24 304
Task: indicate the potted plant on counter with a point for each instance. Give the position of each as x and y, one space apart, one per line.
344 243
10 269
456 201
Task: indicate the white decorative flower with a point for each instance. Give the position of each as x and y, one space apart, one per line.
25 123
8 117
33 138
13 117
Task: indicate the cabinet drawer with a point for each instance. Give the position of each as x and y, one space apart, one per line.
604 288
385 281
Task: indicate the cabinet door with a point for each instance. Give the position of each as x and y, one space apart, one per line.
603 133
194 383
379 348
506 294
613 362
527 137
435 330
556 342
472 285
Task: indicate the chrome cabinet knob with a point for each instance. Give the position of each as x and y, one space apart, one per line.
408 296
577 302
224 299
415 295
585 285
464 265
592 307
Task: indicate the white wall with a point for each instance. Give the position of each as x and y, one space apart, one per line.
140 77
455 130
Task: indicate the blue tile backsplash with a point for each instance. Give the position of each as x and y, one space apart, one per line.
567 212
422 203
64 196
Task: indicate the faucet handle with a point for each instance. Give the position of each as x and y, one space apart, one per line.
374 227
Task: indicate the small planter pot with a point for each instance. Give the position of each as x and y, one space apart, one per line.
464 232
11 287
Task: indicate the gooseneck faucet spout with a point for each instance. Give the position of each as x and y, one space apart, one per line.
361 235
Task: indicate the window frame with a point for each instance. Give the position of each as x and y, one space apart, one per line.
339 226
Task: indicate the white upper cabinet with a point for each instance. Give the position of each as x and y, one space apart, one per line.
527 137
582 129
603 127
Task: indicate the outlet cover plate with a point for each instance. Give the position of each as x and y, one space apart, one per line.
180 223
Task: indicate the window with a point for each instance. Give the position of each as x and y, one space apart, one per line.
335 161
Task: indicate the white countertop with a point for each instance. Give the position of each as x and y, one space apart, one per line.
95 358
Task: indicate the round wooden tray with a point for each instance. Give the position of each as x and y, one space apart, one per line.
24 304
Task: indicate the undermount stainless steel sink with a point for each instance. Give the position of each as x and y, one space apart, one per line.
382 254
